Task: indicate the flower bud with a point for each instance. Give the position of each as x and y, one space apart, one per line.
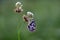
18 8
30 14
18 4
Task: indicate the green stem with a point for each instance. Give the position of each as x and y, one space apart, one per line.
18 27
18 30
18 35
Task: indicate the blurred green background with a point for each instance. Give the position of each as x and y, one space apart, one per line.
47 17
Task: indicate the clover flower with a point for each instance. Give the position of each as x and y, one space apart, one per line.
27 18
31 21
18 8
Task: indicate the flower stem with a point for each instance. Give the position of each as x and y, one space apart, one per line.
18 31
18 35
